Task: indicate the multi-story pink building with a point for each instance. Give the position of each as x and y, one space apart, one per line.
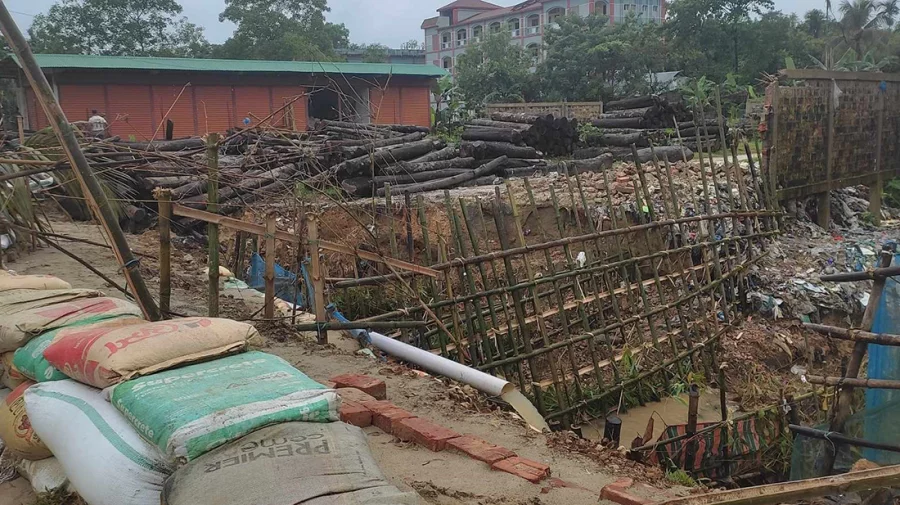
465 21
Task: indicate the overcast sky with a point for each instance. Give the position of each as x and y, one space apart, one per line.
389 22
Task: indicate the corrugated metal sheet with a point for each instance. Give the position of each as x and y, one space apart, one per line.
130 111
385 105
252 101
175 103
78 100
215 108
283 94
415 106
49 61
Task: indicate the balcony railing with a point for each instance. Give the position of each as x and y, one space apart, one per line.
445 45
533 30
460 43
516 32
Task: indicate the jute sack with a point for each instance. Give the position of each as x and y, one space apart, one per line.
17 300
8 282
191 410
105 459
29 359
16 429
286 464
45 475
10 376
18 328
103 355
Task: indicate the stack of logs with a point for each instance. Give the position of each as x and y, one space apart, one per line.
552 136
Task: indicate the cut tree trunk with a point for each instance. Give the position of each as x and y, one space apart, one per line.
499 124
633 103
634 122
165 145
382 158
608 139
487 150
361 187
447 153
520 117
412 168
367 147
492 134
449 182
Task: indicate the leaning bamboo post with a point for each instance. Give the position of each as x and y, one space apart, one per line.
212 206
20 123
723 406
95 196
720 120
492 312
164 196
270 266
432 283
845 395
318 279
389 210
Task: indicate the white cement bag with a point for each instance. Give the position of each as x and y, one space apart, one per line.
191 410
287 464
45 475
107 462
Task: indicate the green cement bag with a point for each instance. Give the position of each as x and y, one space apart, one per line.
191 410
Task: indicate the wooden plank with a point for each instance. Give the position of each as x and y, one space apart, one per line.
810 73
255 229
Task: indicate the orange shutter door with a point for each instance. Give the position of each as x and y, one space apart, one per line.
385 105
129 113
215 110
415 106
170 102
252 101
284 94
78 101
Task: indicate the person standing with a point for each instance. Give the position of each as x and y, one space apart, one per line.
98 125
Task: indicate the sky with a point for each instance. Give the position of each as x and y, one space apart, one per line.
388 22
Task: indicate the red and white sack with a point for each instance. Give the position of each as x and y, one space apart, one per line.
17 328
104 355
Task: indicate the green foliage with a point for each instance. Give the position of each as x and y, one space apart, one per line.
373 53
493 71
412 45
447 115
681 478
368 301
892 193
117 27
281 30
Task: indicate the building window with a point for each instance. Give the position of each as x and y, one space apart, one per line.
445 40
534 51
513 25
656 9
533 24
601 8
494 27
447 63
645 9
554 14
477 33
461 36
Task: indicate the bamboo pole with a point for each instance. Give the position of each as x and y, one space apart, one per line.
165 249
837 438
473 242
20 123
318 279
270 266
847 382
90 185
212 206
855 335
467 283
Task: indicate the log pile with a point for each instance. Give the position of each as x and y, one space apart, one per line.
546 133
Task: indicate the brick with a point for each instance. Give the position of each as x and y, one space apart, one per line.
369 385
355 414
477 448
355 395
432 436
328 384
525 468
620 496
385 414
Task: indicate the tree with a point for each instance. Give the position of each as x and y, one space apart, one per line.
814 22
860 20
117 27
411 45
589 59
375 53
493 70
281 30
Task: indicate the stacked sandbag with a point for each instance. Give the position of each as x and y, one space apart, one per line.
188 411
44 475
286 464
9 281
10 376
104 458
16 429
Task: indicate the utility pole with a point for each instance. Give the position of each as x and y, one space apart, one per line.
93 193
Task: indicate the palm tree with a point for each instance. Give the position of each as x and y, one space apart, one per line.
815 21
860 17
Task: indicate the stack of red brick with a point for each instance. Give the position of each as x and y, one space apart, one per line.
364 403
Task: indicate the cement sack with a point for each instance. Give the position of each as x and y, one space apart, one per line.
9 282
105 459
287 464
18 328
45 475
16 428
17 300
189 411
103 355
10 376
29 360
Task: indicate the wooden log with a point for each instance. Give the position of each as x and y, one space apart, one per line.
164 145
634 122
523 162
489 150
868 275
367 147
447 153
363 134
382 158
589 152
704 131
852 382
524 171
405 128
325 123
212 229
488 180
670 153
449 182
643 113
169 182
412 168
520 117
612 139
855 335
499 124
361 187
633 103
135 213
598 164
492 134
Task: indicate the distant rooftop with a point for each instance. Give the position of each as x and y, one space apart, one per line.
469 4
390 52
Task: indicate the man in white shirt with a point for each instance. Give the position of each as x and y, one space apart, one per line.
98 125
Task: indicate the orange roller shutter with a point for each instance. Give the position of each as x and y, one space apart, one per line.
283 94
215 109
415 106
78 101
252 101
129 113
385 105
175 103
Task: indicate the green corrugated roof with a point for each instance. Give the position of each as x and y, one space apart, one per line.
60 61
